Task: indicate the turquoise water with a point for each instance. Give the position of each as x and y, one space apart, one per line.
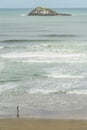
43 60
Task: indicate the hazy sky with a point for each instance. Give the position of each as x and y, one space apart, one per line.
46 3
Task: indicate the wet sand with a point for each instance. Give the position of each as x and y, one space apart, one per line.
42 124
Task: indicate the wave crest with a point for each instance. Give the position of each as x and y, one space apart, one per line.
55 35
23 40
43 91
23 15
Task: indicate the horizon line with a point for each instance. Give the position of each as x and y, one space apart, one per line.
42 6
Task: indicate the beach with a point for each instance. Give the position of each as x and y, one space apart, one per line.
43 64
43 70
42 124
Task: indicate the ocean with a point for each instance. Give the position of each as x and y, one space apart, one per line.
43 63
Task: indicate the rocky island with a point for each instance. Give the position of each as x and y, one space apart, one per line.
40 11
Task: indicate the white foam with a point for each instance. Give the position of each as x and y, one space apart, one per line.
5 87
49 61
23 15
1 47
40 55
84 92
45 91
42 91
65 76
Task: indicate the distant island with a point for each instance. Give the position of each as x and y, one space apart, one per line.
40 11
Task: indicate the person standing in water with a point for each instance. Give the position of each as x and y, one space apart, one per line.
17 111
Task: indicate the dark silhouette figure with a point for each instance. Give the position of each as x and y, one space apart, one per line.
17 111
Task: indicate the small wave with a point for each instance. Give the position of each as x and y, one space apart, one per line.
43 91
23 15
55 35
41 55
15 40
48 61
65 76
22 40
7 80
14 46
39 75
82 92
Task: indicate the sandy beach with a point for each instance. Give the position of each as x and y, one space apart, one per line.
42 124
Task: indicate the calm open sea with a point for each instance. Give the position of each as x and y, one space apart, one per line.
43 61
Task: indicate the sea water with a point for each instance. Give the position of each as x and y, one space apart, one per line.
43 61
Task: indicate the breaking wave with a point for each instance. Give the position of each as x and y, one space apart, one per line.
5 87
40 55
43 91
66 76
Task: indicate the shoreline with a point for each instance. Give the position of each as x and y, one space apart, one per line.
42 124
78 114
